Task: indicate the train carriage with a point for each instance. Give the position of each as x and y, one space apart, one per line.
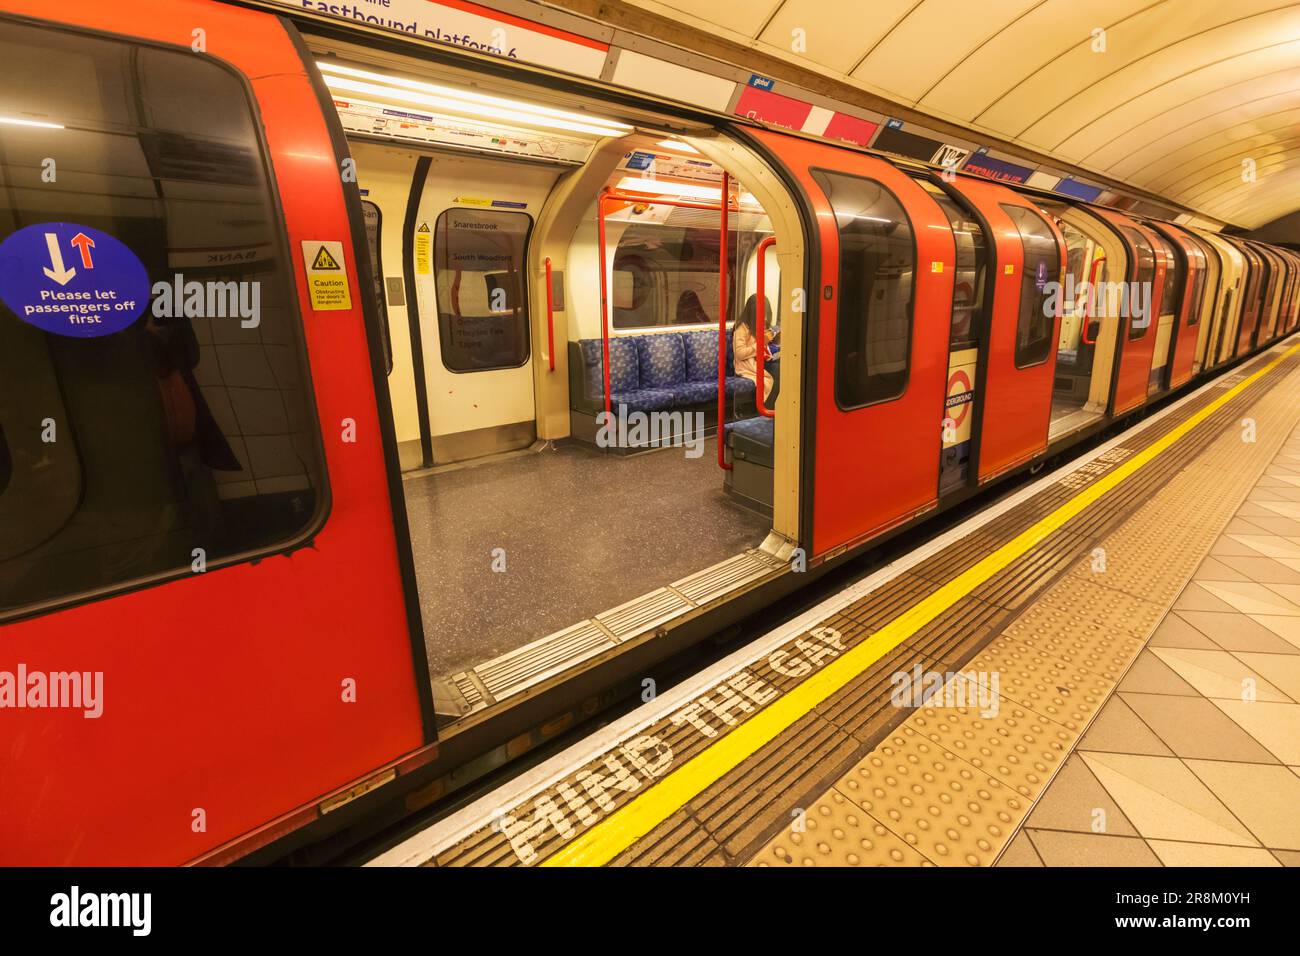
431 400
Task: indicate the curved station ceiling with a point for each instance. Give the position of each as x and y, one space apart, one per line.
1194 100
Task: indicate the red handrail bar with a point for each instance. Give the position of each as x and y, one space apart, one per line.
760 320
609 194
1090 306
550 319
724 205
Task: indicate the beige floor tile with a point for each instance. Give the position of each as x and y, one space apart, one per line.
1218 674
1228 547
1091 849
1193 727
1288 857
1276 726
1196 597
1118 730
1205 854
1174 631
1280 670
1236 632
1287 509
1269 545
1264 570
1252 598
1264 798
1289 591
1287 628
1212 569
1276 524
1150 675
1075 801
1165 800
1020 852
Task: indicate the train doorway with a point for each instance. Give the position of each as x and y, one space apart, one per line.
570 290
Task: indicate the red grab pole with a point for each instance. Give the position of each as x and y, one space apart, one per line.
760 309
722 322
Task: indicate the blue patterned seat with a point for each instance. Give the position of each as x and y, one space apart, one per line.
751 439
659 371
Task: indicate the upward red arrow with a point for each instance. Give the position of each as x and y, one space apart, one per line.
84 244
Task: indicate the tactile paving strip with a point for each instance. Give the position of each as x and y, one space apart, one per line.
954 784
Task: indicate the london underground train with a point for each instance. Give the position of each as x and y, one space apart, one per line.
372 412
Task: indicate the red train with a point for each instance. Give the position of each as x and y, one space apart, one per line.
309 504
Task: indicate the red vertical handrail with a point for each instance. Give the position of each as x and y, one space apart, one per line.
722 320
760 320
1090 307
550 318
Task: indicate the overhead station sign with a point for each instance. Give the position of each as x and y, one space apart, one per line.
470 27
72 280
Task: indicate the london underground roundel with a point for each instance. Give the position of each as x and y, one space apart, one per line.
72 280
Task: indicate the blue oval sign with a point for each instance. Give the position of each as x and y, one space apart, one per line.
72 280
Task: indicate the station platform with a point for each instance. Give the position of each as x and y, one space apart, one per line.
1102 668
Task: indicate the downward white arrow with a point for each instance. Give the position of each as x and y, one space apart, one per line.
59 274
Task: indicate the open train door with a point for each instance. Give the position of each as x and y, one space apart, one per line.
1138 308
1014 403
879 308
210 536
1182 344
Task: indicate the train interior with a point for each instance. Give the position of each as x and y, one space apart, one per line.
545 533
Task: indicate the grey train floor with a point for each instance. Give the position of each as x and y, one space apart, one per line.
582 531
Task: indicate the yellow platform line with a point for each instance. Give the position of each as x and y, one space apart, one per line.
629 823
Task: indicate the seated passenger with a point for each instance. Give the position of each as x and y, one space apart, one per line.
690 311
745 346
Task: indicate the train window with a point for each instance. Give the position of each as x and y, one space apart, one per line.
968 275
876 285
1144 275
482 296
171 441
666 265
1042 258
1175 273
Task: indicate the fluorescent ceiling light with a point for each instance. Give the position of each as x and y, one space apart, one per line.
467 101
661 187
677 145
15 121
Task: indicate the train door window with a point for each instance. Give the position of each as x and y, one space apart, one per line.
1197 258
482 299
187 434
1042 266
1144 276
968 275
876 287
374 229
1175 273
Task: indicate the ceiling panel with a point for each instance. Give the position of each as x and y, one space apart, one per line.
925 45
1181 93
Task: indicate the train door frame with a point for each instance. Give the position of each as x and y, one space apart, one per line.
1182 343
1003 383
841 512
1133 367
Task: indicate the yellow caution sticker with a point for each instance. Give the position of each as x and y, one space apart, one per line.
936 265
423 250
327 279
472 201
1009 269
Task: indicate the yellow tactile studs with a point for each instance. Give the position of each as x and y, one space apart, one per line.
836 832
952 785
